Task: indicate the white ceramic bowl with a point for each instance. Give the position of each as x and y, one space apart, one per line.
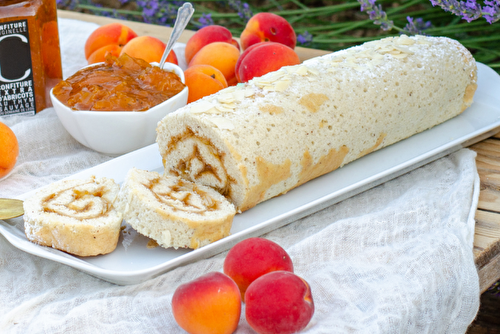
118 132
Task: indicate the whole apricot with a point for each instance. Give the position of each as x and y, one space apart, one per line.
9 150
207 35
203 80
99 55
253 257
223 56
148 48
113 33
263 58
210 304
240 59
279 303
268 27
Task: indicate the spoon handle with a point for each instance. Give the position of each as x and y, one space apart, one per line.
10 208
183 16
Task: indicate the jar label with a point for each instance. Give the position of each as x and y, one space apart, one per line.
17 89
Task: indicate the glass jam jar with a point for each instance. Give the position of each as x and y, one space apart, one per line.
30 55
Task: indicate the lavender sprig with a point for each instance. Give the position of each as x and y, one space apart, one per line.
305 38
376 14
160 12
243 9
69 4
416 26
149 8
470 10
495 289
205 20
113 14
491 12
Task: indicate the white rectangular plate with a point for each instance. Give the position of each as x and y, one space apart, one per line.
137 262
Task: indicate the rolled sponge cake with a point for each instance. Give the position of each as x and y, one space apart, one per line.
174 212
76 216
259 140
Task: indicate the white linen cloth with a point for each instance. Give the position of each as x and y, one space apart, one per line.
394 259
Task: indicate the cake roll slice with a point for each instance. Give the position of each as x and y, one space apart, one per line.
75 216
261 139
174 212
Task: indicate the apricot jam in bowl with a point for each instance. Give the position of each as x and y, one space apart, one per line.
115 106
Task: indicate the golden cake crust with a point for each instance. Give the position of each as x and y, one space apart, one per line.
260 140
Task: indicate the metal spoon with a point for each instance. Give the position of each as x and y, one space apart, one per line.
11 208
183 16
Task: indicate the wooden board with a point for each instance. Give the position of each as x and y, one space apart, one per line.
487 233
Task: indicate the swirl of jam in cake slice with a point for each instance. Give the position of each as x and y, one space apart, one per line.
174 212
75 216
